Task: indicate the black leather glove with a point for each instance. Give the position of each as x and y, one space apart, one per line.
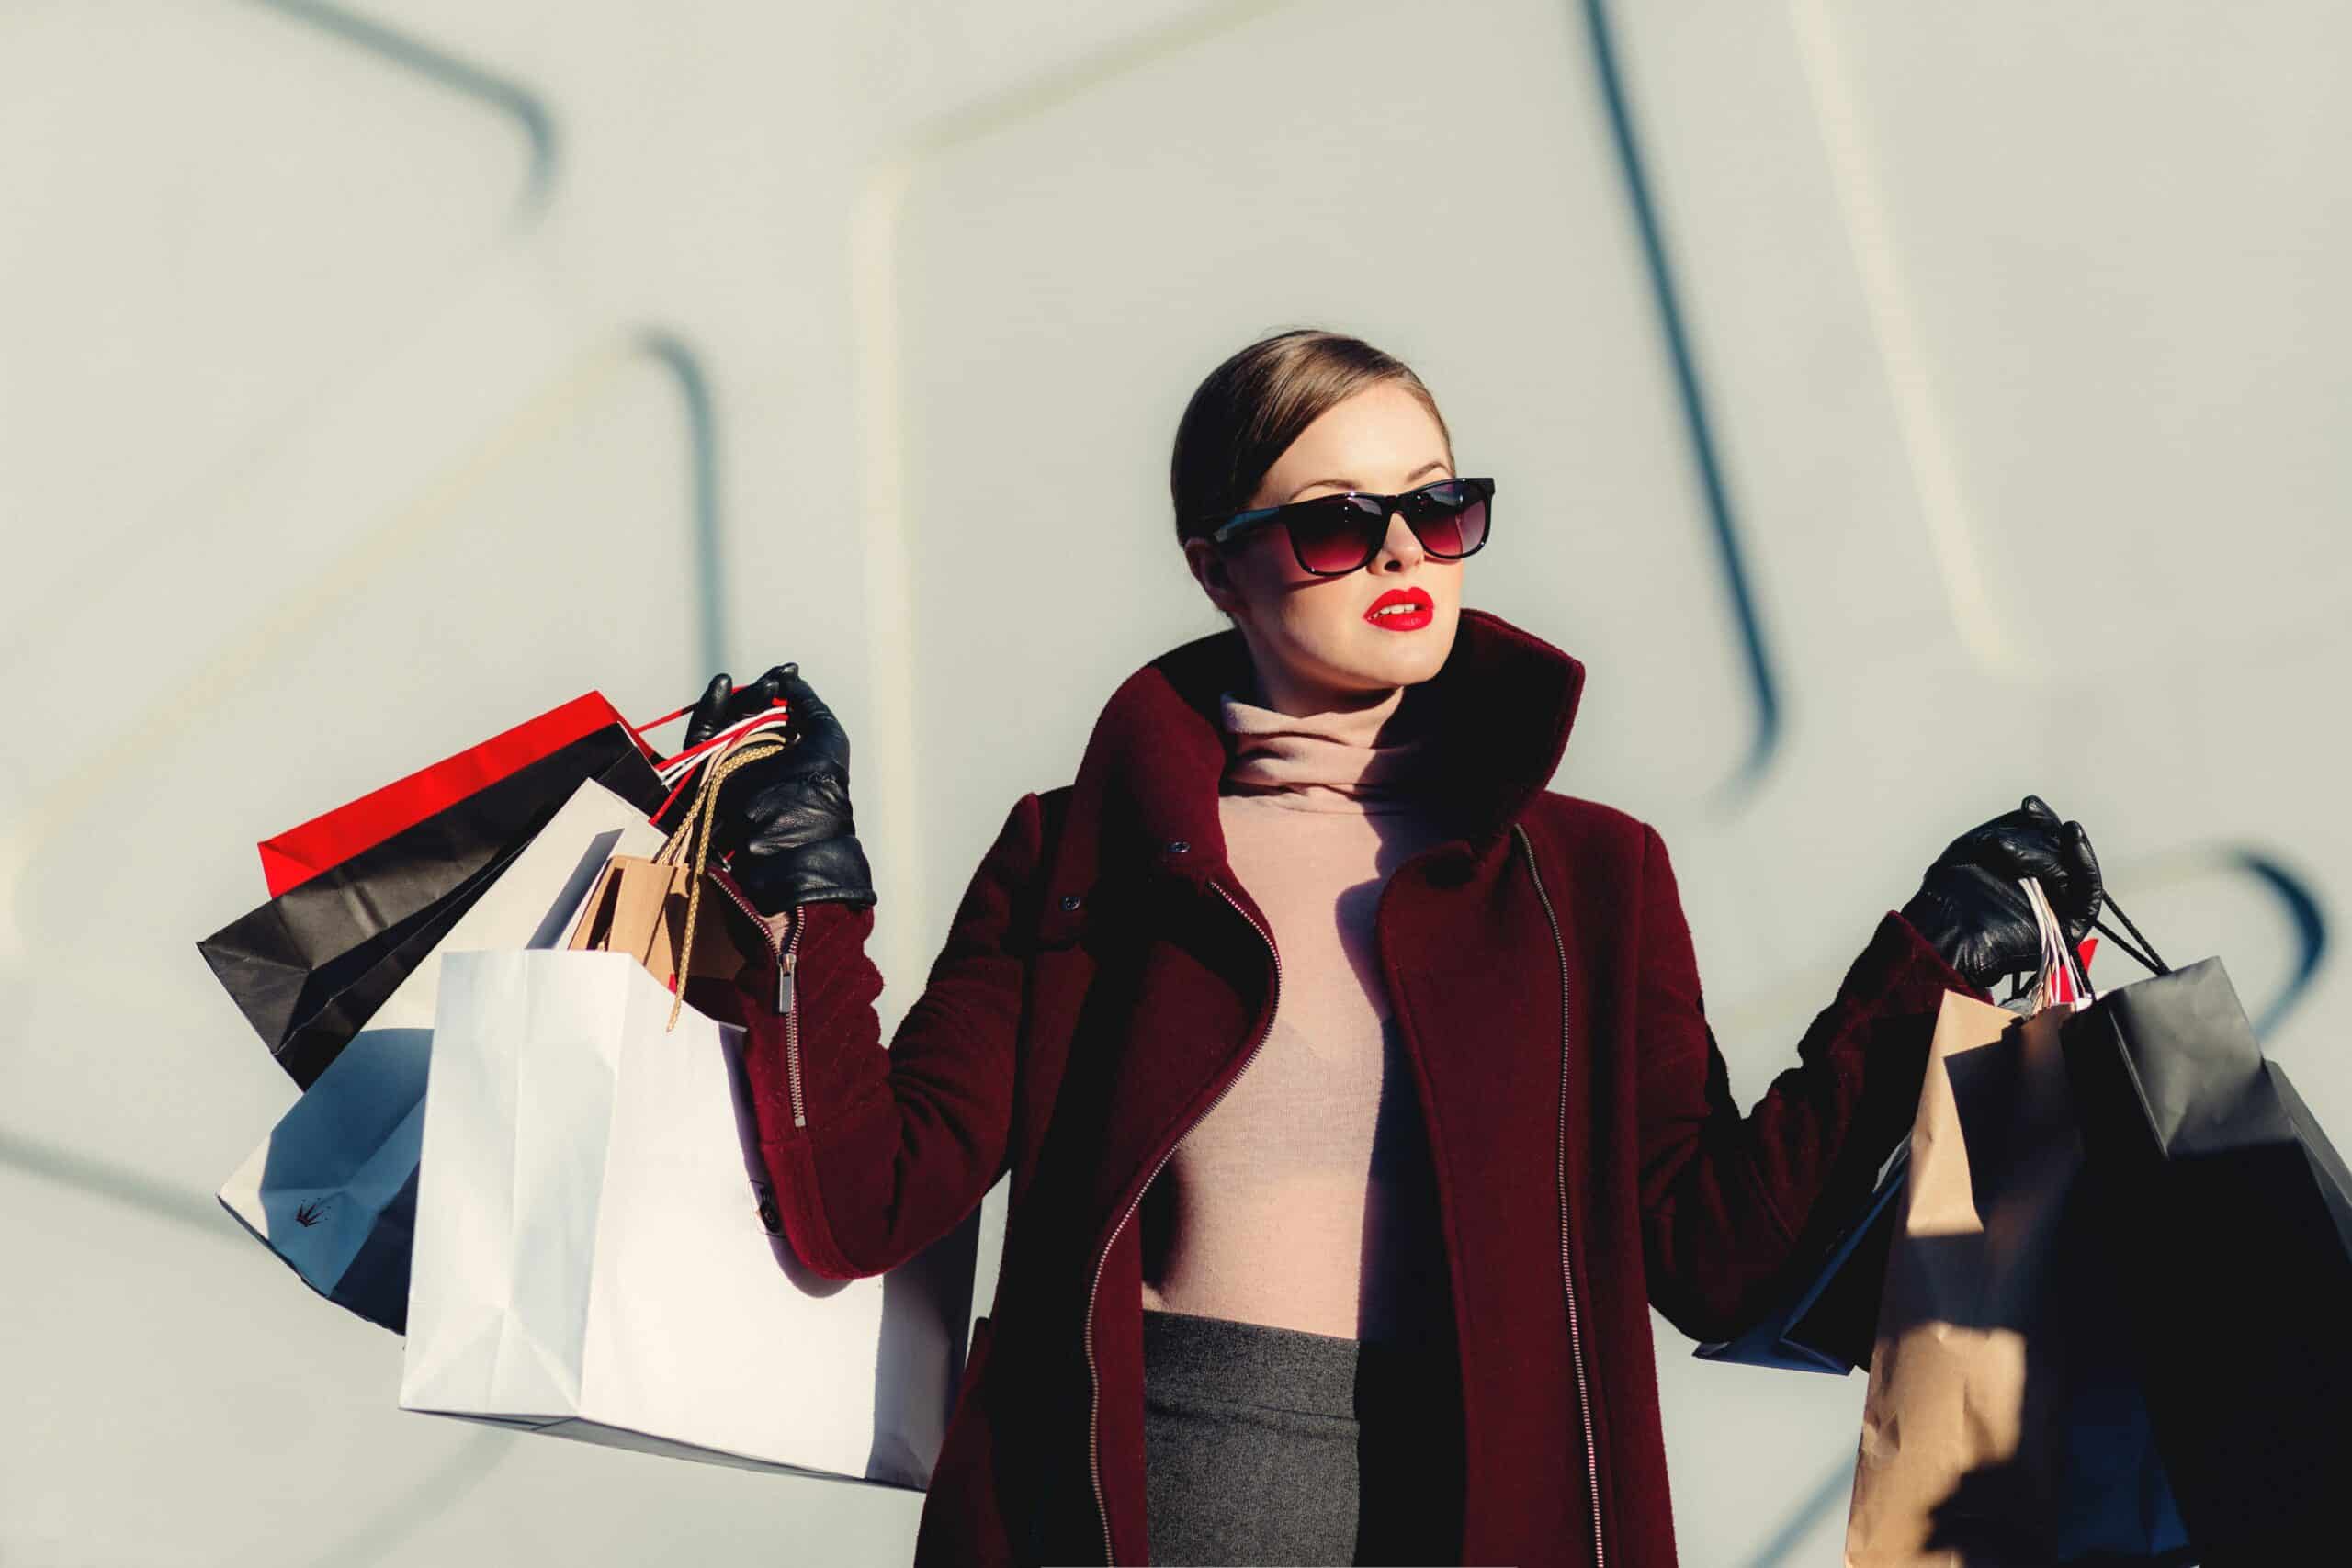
1971 910
785 818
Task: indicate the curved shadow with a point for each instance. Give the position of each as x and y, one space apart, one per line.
510 98
677 356
117 1182
386 1528
2310 931
1763 685
1834 1488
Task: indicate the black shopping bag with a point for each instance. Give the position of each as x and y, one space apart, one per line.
308 967
1827 1320
2227 1218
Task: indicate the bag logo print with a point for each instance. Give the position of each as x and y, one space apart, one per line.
311 1212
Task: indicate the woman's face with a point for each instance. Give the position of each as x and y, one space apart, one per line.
1314 647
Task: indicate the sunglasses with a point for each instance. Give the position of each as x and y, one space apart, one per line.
1335 534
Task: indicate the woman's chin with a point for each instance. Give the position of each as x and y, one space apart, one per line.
1399 659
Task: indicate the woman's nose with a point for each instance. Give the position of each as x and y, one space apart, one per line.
1402 542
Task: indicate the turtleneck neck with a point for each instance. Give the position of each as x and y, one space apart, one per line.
1360 759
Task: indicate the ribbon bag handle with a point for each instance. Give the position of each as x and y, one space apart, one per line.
776 714
2060 982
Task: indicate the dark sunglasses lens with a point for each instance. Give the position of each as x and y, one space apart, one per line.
1330 536
1449 518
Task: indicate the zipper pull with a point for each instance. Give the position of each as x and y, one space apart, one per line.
783 982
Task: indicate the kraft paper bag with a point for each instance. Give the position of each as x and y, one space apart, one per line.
2002 1427
654 909
640 907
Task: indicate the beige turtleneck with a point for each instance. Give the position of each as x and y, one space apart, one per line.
1304 1197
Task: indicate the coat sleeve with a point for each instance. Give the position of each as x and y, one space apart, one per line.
1725 1198
875 1153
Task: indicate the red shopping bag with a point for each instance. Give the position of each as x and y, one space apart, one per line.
300 854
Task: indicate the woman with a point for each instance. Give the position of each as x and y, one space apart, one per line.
1355 1087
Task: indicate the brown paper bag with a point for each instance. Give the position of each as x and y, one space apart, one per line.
1945 1427
1999 1428
639 906
652 909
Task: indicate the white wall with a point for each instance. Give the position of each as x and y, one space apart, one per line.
372 376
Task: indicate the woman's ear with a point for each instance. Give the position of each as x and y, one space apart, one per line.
1219 574
1211 570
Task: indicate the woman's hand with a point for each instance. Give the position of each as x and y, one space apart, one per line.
785 818
1971 910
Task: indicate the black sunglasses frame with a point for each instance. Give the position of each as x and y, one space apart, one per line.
1374 525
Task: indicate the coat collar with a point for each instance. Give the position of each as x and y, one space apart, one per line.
1503 703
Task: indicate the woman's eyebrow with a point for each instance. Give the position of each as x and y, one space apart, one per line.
1351 484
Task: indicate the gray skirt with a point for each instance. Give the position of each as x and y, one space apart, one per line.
1267 1445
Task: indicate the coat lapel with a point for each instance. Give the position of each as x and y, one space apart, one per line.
1504 703
1189 984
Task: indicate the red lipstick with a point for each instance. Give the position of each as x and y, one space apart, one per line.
1419 611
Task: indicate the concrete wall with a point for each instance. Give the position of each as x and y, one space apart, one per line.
1899 408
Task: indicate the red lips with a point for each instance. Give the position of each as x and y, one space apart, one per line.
1420 613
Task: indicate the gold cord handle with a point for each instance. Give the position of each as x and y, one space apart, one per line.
695 830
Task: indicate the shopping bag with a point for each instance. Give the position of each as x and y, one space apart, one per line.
591 1261
2001 1425
293 857
2227 1218
651 906
332 1189
309 966
300 854
1829 1320
1828 1323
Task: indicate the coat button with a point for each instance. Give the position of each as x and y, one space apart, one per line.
1177 846
1070 900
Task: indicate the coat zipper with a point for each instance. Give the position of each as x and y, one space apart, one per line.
785 960
785 1004
1568 1273
1094 1381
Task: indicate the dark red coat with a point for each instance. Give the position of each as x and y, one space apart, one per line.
1105 978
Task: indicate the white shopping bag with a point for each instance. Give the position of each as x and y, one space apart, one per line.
591 1259
331 1190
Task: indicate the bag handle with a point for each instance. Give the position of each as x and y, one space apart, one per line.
694 833
2060 982
674 768
2144 955
678 770
2147 960
774 715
